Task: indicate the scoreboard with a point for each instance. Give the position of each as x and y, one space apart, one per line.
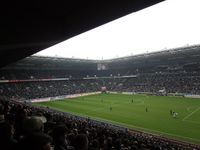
102 66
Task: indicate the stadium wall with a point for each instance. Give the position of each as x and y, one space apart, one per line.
113 92
61 97
149 93
192 96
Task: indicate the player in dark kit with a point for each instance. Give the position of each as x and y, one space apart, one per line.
110 108
171 112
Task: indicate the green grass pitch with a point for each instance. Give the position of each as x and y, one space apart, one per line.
130 111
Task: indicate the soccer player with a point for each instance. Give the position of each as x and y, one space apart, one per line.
110 108
171 112
175 114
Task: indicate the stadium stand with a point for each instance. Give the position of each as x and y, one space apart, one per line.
176 70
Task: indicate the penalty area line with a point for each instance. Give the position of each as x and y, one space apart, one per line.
191 114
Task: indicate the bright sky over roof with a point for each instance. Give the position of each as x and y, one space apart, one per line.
169 24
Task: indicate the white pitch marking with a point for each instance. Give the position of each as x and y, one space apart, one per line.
191 114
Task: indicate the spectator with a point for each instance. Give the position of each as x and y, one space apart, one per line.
1 113
7 142
60 138
36 141
32 125
81 142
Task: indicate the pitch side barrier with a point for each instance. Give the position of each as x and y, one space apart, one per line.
61 97
129 93
150 93
192 96
184 95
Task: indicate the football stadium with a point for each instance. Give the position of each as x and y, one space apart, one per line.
147 98
141 101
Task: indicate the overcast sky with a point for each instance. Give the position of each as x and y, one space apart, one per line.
170 24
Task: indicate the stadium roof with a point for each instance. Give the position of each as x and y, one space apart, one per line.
179 57
186 49
30 26
151 29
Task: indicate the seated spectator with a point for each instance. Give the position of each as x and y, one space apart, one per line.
81 142
95 145
108 144
59 138
1 113
36 141
71 139
32 125
7 142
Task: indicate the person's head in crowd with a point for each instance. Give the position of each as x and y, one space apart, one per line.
71 139
60 138
118 144
108 143
75 131
81 142
95 144
6 130
32 125
21 113
60 134
1 112
6 136
36 141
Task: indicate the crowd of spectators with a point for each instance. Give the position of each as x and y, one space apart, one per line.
23 126
31 90
24 74
172 83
